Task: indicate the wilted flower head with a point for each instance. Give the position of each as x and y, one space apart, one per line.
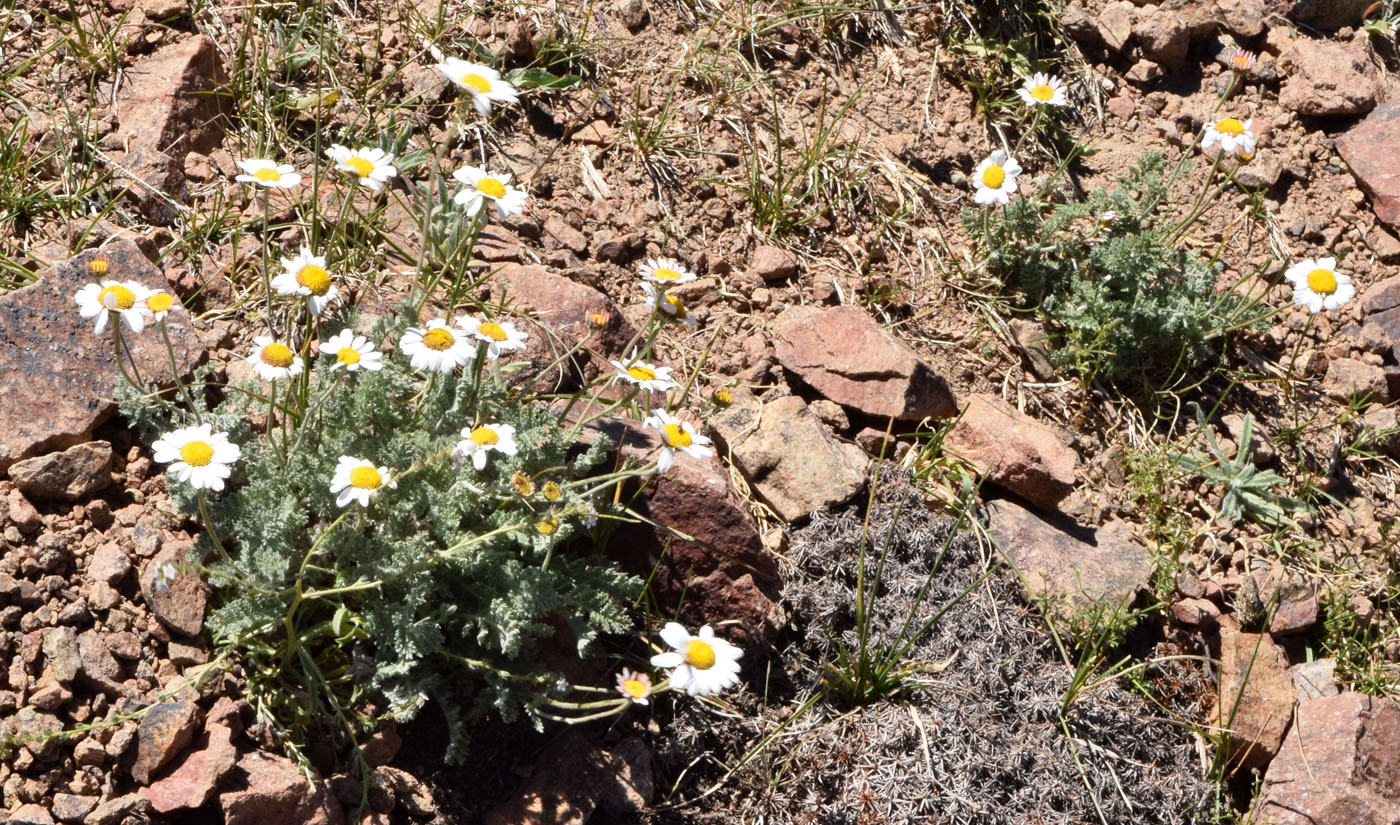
1241 60
633 685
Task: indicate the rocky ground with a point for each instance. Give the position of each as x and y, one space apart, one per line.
849 325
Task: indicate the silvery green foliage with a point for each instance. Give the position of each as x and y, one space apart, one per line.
1108 271
1248 491
430 610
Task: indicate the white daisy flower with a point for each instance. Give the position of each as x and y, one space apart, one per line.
371 165
666 271
164 577
671 306
478 441
1043 90
482 187
352 352
356 480
1318 285
676 435
268 174
197 456
306 275
702 664
1232 135
500 336
633 685
647 376
483 82
273 361
158 302
437 347
995 178
124 299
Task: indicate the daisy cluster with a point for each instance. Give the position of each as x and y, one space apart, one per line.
1316 283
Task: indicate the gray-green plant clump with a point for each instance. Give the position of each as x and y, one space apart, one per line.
1125 297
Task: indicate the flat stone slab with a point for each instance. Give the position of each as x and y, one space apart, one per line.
1371 150
56 375
1078 568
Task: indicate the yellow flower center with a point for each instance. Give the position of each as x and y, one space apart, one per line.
724 397
314 278
547 526
1230 126
523 484
699 654
160 302
552 491
485 436
491 188
269 175
1042 92
492 330
634 689
641 373
676 435
360 166
665 273
117 297
677 306
197 454
993 176
366 478
347 356
98 266
277 355
477 82
438 339
1322 281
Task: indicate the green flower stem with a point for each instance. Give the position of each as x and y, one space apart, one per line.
118 347
1293 359
266 248
209 525
475 540
175 373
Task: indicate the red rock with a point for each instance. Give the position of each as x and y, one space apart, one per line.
167 101
1164 37
164 731
566 313
704 554
573 780
1328 15
791 461
1328 78
179 604
772 263
1255 703
847 357
109 563
1077 568
99 667
1340 765
56 376
23 514
29 814
1348 378
1195 612
1371 150
274 792
193 779
72 474
1115 24
1013 451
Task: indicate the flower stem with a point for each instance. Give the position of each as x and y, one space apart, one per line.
175 373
